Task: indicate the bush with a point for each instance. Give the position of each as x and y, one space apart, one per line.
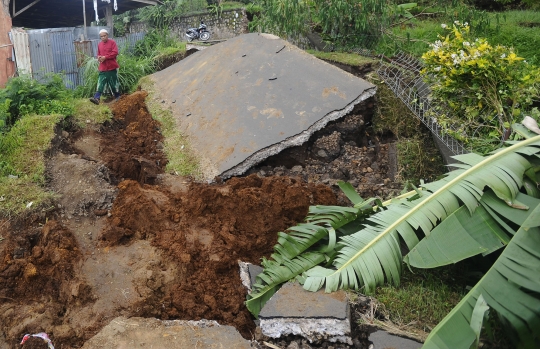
486 88
24 96
131 70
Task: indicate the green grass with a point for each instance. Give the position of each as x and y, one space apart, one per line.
414 36
171 50
514 32
423 299
418 156
23 148
88 113
341 57
182 160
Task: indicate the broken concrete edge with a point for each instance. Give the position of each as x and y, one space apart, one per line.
203 323
296 140
332 330
248 274
244 275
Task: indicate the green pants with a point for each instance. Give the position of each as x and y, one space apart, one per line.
108 78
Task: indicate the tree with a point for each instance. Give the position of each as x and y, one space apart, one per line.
5 43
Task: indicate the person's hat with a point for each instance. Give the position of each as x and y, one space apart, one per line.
104 31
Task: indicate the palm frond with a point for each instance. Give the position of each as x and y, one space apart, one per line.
511 287
372 255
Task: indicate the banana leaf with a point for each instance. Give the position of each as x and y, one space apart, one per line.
511 287
372 255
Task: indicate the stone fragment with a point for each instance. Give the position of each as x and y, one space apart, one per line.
127 333
312 315
383 339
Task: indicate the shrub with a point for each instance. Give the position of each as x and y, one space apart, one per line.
24 96
484 88
131 69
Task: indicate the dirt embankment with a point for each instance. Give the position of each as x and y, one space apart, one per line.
127 239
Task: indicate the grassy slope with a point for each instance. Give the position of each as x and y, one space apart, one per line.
23 149
182 161
512 32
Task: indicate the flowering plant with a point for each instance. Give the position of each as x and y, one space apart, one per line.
486 88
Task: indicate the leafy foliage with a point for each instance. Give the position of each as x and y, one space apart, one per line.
161 16
131 69
154 42
476 209
345 22
24 96
486 88
510 288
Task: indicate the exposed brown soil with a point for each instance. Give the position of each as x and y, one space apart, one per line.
127 239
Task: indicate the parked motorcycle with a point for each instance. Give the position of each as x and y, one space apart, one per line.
198 33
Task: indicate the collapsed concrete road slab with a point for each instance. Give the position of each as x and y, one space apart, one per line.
253 96
124 333
313 315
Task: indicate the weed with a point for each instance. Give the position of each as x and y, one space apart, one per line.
418 157
87 113
24 96
423 299
22 156
182 160
342 57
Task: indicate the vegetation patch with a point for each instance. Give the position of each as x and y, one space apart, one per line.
182 160
482 89
22 176
87 113
351 59
418 156
421 301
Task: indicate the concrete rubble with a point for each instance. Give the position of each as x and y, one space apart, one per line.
384 340
253 96
313 315
128 333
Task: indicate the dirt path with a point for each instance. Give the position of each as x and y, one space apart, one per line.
127 239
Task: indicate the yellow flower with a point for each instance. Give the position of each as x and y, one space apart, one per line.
512 57
483 47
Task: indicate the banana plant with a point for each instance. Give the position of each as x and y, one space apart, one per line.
307 244
474 210
511 287
372 255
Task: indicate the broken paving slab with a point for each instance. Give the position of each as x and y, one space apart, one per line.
313 315
128 333
384 340
253 96
248 274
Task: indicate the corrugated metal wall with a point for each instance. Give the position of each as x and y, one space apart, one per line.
58 50
22 51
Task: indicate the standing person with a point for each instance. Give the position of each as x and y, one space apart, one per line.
108 67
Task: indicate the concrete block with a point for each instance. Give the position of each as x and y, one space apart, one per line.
248 274
313 315
385 340
127 333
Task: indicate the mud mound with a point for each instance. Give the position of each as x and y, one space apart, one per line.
38 271
131 145
205 230
37 262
